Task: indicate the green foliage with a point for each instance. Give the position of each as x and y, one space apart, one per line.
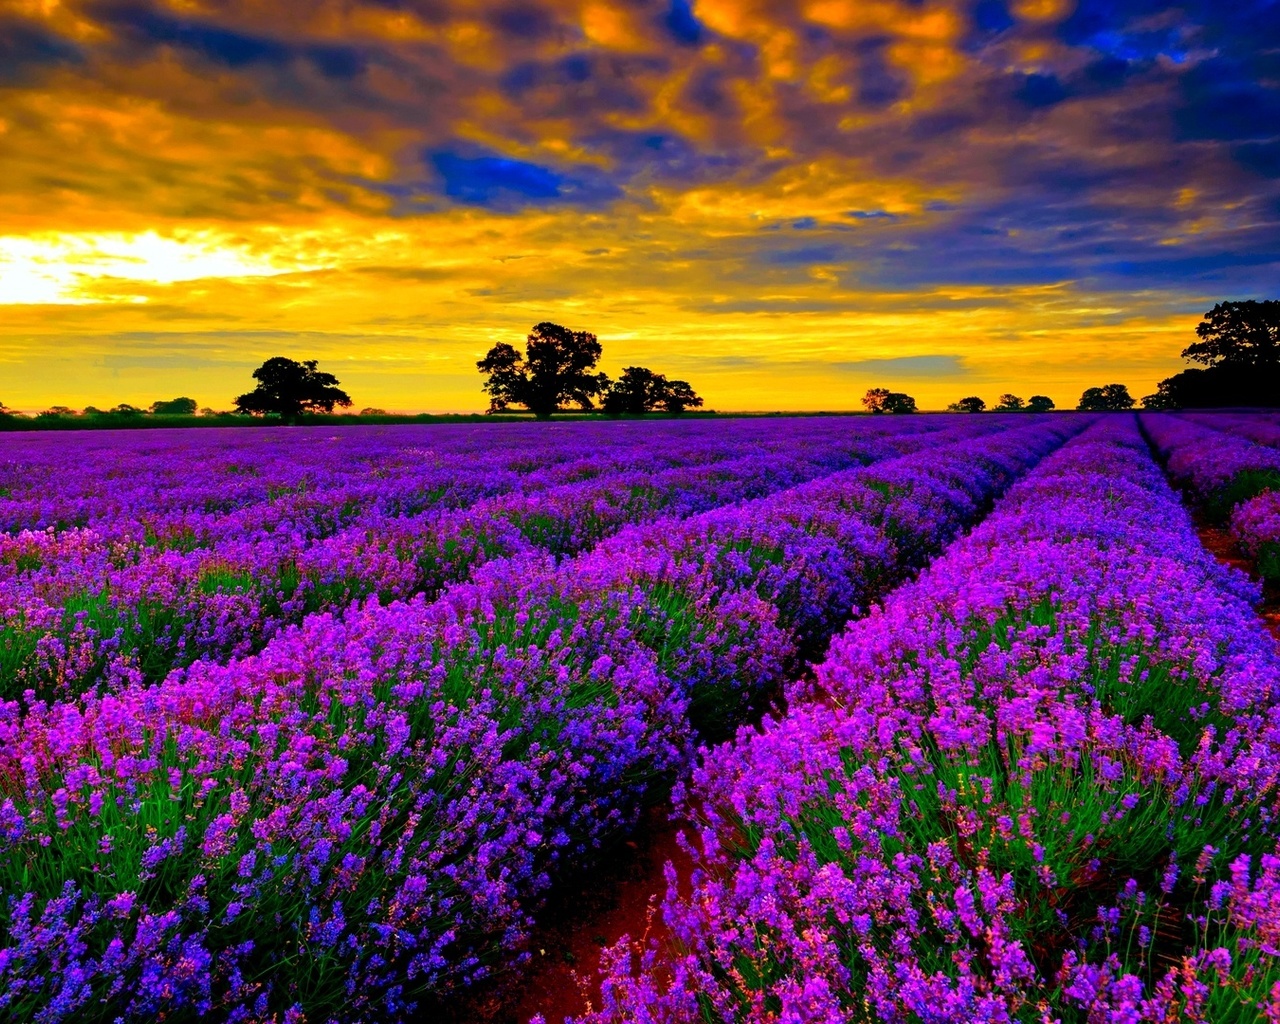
1269 561
882 400
639 390
555 370
1246 484
1108 398
287 388
174 407
1238 333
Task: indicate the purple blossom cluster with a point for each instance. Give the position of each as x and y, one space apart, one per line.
1264 428
1255 526
362 818
1221 469
121 563
1230 463
1038 784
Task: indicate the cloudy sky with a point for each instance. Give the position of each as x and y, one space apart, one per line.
784 201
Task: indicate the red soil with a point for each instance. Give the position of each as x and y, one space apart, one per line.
624 899
623 896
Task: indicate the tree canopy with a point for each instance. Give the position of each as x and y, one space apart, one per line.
1040 403
678 395
1239 353
882 400
640 390
1009 403
554 370
1238 334
1108 398
971 404
289 388
174 407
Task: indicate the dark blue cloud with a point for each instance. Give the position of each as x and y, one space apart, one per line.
991 16
681 22
1221 102
707 92
25 47
1091 20
1107 72
497 182
807 255
219 45
338 61
523 21
580 85
230 48
880 83
1260 157
1041 90
667 157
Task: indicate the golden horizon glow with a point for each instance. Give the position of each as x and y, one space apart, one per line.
784 204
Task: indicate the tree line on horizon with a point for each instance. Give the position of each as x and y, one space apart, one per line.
1239 348
1108 398
1238 352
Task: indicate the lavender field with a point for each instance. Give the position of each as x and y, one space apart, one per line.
959 717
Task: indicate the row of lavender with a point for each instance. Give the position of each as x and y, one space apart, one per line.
332 519
1264 428
1041 787
363 817
1230 464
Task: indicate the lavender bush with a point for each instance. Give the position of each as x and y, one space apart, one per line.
1221 469
1229 464
366 814
106 583
1041 787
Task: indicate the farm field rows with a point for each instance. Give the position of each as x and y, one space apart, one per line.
1039 784
308 725
1231 467
120 562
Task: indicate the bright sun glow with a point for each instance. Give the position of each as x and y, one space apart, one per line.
69 269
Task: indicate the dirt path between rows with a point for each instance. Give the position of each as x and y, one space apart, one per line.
622 896
624 899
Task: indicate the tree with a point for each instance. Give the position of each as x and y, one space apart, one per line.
1108 398
637 391
174 407
1239 349
554 370
1040 403
880 400
679 396
640 390
873 400
288 389
1009 403
971 404
1238 334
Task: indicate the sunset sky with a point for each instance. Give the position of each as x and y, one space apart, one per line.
783 201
